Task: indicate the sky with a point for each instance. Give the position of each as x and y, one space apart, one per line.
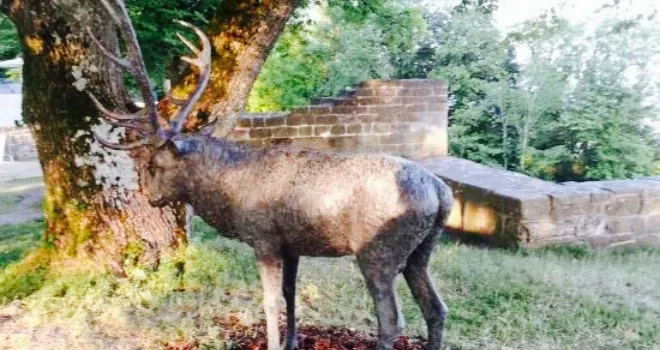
512 12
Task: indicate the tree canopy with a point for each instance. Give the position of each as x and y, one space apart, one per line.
578 108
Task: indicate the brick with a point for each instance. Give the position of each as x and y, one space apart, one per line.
344 142
259 143
322 130
300 110
260 133
325 120
366 118
423 92
244 123
401 127
338 129
300 119
367 128
317 143
347 119
393 149
382 128
280 141
240 134
258 122
343 109
275 121
304 131
437 106
319 109
284 132
414 108
412 100
370 140
408 117
405 92
390 110
354 129
378 100
365 92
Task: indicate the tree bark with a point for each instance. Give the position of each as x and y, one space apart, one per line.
242 33
93 206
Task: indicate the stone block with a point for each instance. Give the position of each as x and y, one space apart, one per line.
625 224
354 129
304 131
568 203
319 110
623 205
532 206
370 140
338 130
284 131
611 241
344 142
300 119
322 130
342 109
325 120
382 128
260 133
317 143
652 223
275 121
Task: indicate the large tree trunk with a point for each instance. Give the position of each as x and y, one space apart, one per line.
93 206
242 33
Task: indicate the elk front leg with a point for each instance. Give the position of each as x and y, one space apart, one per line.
270 270
289 290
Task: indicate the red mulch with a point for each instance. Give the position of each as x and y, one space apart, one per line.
309 338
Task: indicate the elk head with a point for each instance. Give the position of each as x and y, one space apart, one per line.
164 165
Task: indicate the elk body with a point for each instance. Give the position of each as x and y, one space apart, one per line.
288 203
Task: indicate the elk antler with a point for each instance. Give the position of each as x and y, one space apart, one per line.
134 64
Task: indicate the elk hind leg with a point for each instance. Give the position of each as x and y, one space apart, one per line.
380 282
422 288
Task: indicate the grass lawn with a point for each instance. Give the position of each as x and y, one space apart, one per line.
8 201
558 298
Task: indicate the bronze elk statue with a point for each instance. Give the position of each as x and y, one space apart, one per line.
287 203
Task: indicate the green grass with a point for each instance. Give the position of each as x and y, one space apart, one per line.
554 298
8 201
36 180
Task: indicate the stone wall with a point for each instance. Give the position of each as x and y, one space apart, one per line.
17 144
402 117
503 208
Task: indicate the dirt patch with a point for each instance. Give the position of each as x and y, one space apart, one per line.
309 338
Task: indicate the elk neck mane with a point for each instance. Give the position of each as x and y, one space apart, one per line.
213 150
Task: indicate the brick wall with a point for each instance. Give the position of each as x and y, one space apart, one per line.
503 208
402 117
